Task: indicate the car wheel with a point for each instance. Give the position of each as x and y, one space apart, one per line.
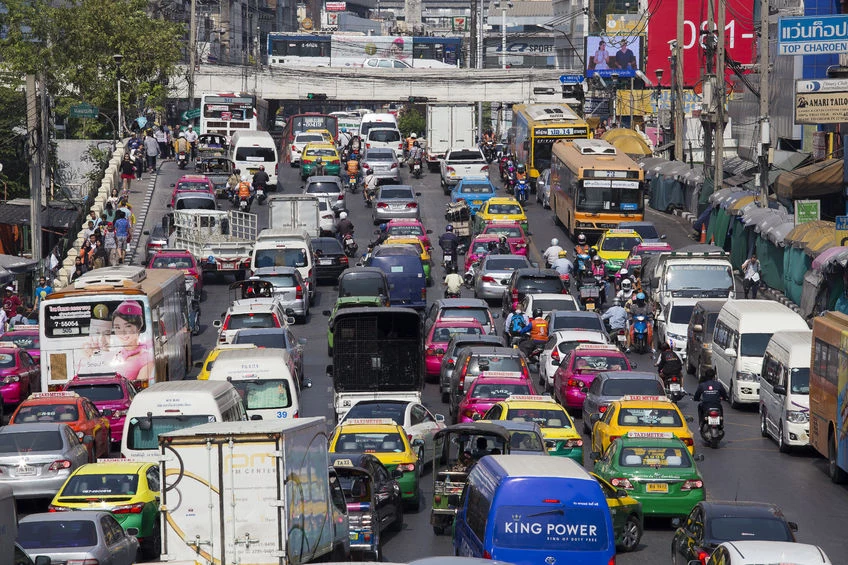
631 535
782 446
415 503
690 368
152 546
397 525
445 397
733 402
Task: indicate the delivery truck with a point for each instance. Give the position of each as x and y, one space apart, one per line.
294 212
448 126
251 493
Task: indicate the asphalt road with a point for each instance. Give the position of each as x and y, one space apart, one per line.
746 467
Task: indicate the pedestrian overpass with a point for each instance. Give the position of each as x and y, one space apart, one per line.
436 85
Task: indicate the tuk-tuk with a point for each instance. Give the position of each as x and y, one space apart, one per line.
251 288
212 144
462 446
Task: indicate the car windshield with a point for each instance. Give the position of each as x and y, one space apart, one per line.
508 364
731 528
171 263
251 320
273 340
481 246
7 360
509 231
195 204
101 485
444 335
619 243
370 443
98 392
595 363
621 387
362 285
711 320
754 344
31 441
800 380
21 339
396 193
699 277
499 390
51 534
384 135
323 188
295 257
659 417
681 314
575 323
549 304
495 264
308 138
476 189
647 231
147 439
392 410
32 413
280 281
264 394
259 154
506 209
479 314
546 418
656 457
187 186
567 347
406 230
327 245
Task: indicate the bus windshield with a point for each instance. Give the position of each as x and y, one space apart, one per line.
140 438
603 196
699 277
542 152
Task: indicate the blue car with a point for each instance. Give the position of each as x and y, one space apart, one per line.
474 190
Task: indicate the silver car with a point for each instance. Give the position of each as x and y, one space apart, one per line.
613 385
383 163
396 201
492 270
289 289
82 536
36 459
457 343
327 186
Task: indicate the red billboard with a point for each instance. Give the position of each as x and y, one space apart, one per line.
740 38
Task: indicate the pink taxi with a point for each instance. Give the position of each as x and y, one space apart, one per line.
514 233
106 391
410 228
192 183
638 253
485 392
437 340
574 376
478 249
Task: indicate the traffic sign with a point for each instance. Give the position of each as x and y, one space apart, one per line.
841 223
192 114
570 79
84 111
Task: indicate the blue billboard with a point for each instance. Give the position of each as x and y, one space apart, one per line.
812 35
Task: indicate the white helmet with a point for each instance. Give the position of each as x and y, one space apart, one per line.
554 242
626 285
342 215
414 135
244 178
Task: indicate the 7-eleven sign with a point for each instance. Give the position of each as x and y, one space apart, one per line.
459 23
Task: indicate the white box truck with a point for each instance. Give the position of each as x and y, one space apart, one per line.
448 125
252 493
294 212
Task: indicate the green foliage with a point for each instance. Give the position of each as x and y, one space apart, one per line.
411 120
12 151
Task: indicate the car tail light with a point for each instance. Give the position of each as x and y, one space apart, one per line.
276 169
462 374
400 145
277 323
515 294
602 408
486 555
450 170
247 263
59 464
431 350
82 562
612 560
563 290
525 369
367 146
575 383
423 293
412 205
334 161
366 166
613 438
688 441
341 196
485 168
394 166
382 205
622 482
343 260
703 556
294 147
406 467
53 508
298 292
226 324
128 509
692 484
574 443
328 217
487 278
555 354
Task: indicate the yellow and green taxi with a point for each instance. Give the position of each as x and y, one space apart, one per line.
326 152
418 244
325 133
640 414
627 518
656 469
343 302
561 436
501 209
128 489
387 441
206 365
615 245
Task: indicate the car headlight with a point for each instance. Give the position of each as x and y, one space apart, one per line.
676 337
745 376
798 416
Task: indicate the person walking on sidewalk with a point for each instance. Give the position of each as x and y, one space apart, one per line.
161 136
751 272
151 149
122 230
127 169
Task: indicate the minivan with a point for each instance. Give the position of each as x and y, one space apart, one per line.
385 138
249 149
742 332
374 120
284 248
785 389
405 274
364 281
527 509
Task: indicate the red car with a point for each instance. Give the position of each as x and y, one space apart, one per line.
478 249
514 233
110 391
18 373
410 228
192 183
181 260
485 392
437 340
25 337
574 376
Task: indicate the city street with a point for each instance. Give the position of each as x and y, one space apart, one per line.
746 467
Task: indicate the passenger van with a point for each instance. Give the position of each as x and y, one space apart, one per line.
363 281
785 389
249 149
742 331
407 283
386 138
376 121
285 248
174 405
266 380
527 510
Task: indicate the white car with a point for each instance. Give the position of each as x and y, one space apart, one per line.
326 217
418 422
548 302
383 63
558 346
673 324
300 141
251 313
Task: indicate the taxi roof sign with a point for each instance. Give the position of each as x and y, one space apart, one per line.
645 398
508 374
656 244
620 231
122 460
57 394
528 397
370 421
599 346
650 435
343 463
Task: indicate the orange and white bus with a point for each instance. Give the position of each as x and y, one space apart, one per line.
829 392
594 187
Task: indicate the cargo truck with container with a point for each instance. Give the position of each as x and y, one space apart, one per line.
448 125
295 213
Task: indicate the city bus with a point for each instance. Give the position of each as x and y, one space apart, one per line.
536 127
829 392
594 187
299 123
227 112
126 320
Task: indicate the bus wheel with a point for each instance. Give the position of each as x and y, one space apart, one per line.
836 474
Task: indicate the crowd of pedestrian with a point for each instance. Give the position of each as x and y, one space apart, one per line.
105 238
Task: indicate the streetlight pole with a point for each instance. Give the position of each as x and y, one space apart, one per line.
659 73
503 8
118 58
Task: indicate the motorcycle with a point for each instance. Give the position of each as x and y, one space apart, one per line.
639 334
521 191
416 168
449 262
352 182
244 204
368 194
511 179
590 293
193 298
182 159
502 166
349 244
617 337
712 428
674 387
489 151
260 195
582 265
471 274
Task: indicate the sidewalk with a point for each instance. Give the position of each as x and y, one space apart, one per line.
141 194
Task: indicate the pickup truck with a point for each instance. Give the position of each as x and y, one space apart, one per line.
460 163
221 241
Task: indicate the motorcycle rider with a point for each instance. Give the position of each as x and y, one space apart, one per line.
668 363
562 265
384 235
407 146
517 323
640 306
600 270
232 183
709 395
449 242
538 333
352 167
453 284
626 293
616 315
503 245
344 138
245 191
261 180
370 184
581 249
520 172
551 254
414 153
181 145
343 227
318 169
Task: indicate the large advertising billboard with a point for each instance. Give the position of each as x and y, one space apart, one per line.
617 54
740 39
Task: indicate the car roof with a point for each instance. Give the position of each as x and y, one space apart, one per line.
740 509
351 271
194 193
531 271
482 338
192 178
573 314
503 200
571 334
92 515
487 350
713 305
323 178
83 380
619 232
462 303
252 305
260 331
122 466
274 271
776 551
402 221
526 270
552 296
456 323
386 401
475 179
36 427
628 375
487 237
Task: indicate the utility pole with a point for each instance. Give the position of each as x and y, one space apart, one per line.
192 52
765 133
481 53
472 34
33 152
44 146
677 92
708 109
718 181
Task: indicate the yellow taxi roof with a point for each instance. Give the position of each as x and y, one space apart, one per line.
502 200
320 145
116 466
530 401
619 232
366 425
642 401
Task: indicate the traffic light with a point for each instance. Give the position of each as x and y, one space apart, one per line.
418 99
574 91
316 96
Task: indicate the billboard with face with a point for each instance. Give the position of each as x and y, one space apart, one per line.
617 54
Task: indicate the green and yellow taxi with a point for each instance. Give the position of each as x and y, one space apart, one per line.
561 436
128 489
656 469
501 209
416 243
387 441
326 152
627 519
640 414
343 302
615 245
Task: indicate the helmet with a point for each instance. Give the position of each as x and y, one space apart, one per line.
383 227
537 312
502 238
261 167
236 171
521 167
244 178
344 130
616 301
581 239
449 227
563 254
623 273
182 134
554 242
510 163
415 144
319 160
640 297
414 135
626 285
597 259
342 215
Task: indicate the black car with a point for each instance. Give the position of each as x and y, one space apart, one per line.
712 523
530 281
276 338
330 258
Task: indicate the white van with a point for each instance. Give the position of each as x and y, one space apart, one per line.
388 138
174 405
285 248
742 332
785 389
265 379
249 149
376 121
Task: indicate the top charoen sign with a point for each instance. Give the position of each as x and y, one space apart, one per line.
812 35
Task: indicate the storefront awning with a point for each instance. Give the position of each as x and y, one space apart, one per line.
819 179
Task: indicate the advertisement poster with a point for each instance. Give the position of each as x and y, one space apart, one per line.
109 336
539 528
352 50
609 55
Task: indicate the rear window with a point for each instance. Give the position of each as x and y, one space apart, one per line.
195 204
280 281
241 321
549 528
327 245
476 189
406 230
567 347
619 243
258 154
546 418
321 152
548 305
731 528
510 209
171 263
187 186
25 341
479 314
509 231
57 535
281 258
36 413
362 285
99 392
32 441
396 193
659 417
494 264
596 363
540 284
309 138
380 156
621 387
111 484
323 188
509 364
576 323
647 231
272 340
499 390
384 135
466 156
444 335
393 410
655 457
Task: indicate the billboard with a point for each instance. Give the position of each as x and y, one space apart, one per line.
625 24
617 54
821 101
354 49
740 39
812 35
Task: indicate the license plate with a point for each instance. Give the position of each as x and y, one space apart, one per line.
590 306
260 192
227 265
354 537
713 420
25 471
477 202
674 387
621 338
396 206
656 487
252 171
325 261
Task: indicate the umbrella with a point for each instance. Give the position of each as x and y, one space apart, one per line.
799 236
777 234
764 222
819 244
834 255
753 215
737 201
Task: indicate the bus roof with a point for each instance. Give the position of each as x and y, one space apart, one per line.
591 156
119 280
547 113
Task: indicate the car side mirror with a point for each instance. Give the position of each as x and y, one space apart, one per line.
440 351
662 236
439 417
792 526
168 206
633 365
217 324
302 341
376 232
107 412
504 281
146 232
307 383
417 442
730 352
780 389
88 440
330 370
289 311
697 328
172 185
397 474
417 194
42 560
593 418
476 417
621 493
595 455
496 315
290 320
131 532
676 522
698 457
451 363
690 419
555 362
428 232
198 364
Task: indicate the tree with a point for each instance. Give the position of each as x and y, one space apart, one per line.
411 120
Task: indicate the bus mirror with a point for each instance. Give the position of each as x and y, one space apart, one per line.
780 389
526 145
